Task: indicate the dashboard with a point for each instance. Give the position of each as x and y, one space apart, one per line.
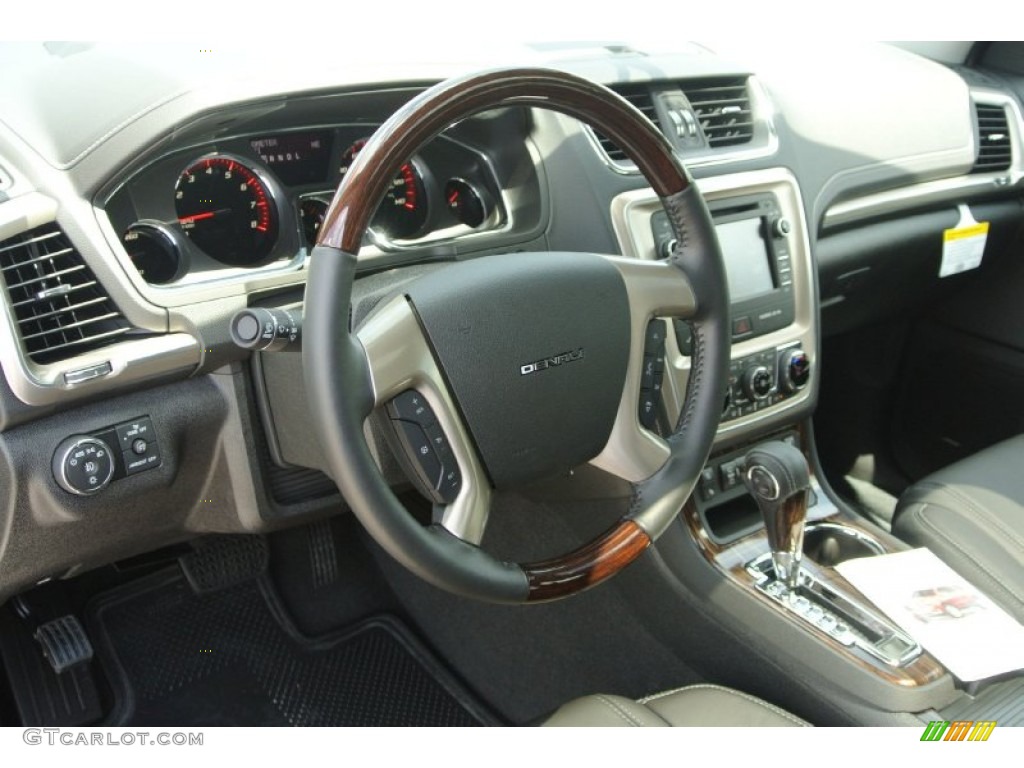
183 195
256 200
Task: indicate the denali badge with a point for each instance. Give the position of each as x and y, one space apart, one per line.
551 362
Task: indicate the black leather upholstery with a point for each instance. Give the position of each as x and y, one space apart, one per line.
971 514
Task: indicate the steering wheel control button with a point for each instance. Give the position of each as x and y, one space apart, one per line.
421 449
437 438
648 409
654 339
684 337
426 446
651 373
83 465
129 432
412 406
451 483
647 375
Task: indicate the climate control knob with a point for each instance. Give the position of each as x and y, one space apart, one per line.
757 382
794 370
83 465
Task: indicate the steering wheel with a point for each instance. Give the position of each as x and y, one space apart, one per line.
530 363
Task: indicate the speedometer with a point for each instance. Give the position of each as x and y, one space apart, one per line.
403 211
226 210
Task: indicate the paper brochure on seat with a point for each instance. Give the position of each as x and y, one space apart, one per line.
951 618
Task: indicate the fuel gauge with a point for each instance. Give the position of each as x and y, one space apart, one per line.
155 251
467 203
312 211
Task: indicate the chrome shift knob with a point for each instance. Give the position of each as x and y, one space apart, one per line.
777 476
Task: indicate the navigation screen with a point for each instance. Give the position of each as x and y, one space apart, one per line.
296 158
746 259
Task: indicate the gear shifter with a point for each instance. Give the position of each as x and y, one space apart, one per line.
777 476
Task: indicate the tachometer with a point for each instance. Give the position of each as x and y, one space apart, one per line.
403 211
226 210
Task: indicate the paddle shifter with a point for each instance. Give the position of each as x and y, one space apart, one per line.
777 476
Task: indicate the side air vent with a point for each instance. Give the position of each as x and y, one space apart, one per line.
722 106
994 153
640 97
60 308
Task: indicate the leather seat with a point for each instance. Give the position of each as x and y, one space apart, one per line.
695 705
971 514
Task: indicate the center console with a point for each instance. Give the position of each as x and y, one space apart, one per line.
800 609
760 224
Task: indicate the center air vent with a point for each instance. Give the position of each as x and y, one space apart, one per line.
60 308
722 106
994 152
640 97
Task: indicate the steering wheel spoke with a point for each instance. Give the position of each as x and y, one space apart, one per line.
655 289
399 359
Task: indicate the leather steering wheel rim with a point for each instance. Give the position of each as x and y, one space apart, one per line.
343 386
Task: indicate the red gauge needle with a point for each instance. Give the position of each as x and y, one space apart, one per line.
200 216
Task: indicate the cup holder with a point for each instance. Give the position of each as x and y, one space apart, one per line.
829 544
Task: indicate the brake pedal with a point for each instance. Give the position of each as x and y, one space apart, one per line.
54 687
64 643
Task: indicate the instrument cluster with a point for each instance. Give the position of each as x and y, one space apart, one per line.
255 200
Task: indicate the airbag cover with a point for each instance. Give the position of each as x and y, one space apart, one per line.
535 348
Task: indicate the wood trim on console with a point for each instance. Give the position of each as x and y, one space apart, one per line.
732 559
587 566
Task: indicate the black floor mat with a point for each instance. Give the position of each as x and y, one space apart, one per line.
175 658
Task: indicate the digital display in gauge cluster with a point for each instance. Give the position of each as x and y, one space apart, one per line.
296 158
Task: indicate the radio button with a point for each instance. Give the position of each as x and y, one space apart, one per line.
781 227
757 382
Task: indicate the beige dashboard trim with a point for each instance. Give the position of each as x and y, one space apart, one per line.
631 212
952 190
130 361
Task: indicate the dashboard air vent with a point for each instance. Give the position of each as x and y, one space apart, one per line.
722 106
59 306
640 97
994 153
